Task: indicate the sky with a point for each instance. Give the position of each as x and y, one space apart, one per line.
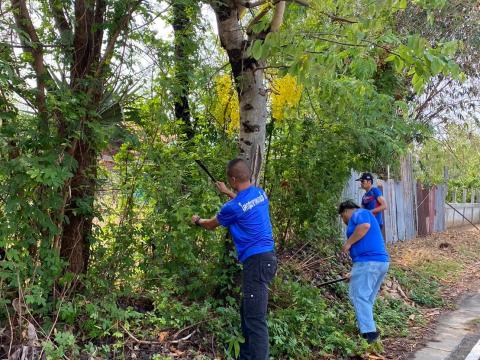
165 31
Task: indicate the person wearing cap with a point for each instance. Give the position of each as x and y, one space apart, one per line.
247 218
370 264
373 199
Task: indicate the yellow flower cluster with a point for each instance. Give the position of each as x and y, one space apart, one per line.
286 93
226 110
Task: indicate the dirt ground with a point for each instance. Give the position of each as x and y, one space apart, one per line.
462 246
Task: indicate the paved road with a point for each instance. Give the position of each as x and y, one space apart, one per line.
457 333
469 347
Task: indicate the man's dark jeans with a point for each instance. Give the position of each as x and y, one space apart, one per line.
258 272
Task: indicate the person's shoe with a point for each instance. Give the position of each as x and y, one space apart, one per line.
371 337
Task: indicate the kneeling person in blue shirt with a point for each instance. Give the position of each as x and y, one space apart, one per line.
247 218
370 263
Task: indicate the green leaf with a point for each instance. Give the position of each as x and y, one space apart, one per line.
257 49
418 83
363 68
26 57
449 48
436 65
391 57
237 349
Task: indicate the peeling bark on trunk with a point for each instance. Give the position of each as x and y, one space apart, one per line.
253 115
249 81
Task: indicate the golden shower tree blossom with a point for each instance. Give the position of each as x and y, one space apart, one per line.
226 109
286 93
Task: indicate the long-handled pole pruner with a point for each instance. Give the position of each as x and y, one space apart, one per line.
332 281
204 168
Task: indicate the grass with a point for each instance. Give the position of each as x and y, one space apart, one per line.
442 269
470 251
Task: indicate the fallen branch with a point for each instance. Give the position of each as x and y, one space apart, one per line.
187 327
184 338
145 342
11 332
316 262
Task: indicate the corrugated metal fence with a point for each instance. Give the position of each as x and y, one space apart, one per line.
412 210
430 209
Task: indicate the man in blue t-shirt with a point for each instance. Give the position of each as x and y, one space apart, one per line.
370 263
247 218
373 199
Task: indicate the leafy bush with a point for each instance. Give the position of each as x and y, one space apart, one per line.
393 315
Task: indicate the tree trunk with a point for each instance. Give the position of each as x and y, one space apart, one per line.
253 115
184 49
82 41
88 79
79 193
75 240
249 82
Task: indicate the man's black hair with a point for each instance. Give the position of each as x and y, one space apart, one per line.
348 204
239 169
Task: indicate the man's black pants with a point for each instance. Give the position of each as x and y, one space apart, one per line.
258 271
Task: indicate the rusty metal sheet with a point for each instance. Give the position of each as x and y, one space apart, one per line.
422 210
431 208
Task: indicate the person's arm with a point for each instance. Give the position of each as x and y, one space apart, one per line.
209 224
224 190
357 235
225 217
383 205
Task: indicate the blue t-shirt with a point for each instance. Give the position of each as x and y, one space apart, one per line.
248 220
371 247
370 202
